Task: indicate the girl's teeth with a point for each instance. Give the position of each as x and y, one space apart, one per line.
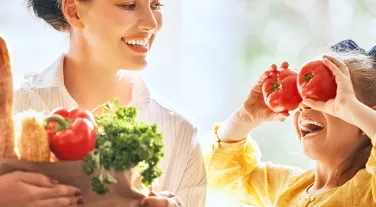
306 122
310 134
304 126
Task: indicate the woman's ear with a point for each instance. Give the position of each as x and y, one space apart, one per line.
70 9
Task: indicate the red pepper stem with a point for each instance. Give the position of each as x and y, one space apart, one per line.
62 124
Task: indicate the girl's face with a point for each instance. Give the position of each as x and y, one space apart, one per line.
325 137
118 33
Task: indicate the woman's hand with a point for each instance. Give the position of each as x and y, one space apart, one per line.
36 190
162 199
345 95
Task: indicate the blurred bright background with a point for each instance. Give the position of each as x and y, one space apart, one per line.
211 52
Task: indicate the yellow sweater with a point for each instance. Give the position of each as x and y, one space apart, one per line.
236 169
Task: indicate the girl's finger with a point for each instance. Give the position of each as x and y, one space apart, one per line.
280 116
284 114
341 65
315 105
272 67
338 74
285 65
261 79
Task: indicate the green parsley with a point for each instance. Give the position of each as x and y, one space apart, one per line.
122 143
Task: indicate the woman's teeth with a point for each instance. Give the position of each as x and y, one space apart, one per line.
137 42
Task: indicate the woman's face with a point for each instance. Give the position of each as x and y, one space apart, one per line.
325 137
119 33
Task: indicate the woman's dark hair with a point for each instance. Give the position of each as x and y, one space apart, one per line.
51 12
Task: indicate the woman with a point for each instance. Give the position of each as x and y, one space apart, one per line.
106 36
339 135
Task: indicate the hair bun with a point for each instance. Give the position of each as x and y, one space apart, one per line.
372 52
50 11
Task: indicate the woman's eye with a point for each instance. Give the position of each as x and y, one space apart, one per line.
157 6
128 6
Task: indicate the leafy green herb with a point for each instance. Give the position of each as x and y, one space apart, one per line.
122 143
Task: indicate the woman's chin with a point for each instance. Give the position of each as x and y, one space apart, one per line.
137 64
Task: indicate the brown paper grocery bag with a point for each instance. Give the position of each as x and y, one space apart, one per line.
71 173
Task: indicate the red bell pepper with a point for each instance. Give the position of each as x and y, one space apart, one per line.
70 114
71 133
73 113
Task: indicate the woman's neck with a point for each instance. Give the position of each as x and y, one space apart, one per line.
91 84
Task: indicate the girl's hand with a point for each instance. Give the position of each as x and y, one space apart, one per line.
254 106
345 95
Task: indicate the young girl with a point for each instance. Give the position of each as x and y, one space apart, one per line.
106 36
339 135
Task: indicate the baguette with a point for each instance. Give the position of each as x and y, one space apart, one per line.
6 104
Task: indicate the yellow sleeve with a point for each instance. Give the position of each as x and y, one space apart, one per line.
371 164
227 163
371 167
237 168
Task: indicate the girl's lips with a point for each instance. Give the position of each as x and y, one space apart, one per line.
309 127
310 135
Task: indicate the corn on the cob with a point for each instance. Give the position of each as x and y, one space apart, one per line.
33 142
6 104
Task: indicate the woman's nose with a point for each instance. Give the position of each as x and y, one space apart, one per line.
147 21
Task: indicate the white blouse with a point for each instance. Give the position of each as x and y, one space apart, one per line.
183 165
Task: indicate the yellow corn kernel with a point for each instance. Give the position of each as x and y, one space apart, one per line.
33 141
